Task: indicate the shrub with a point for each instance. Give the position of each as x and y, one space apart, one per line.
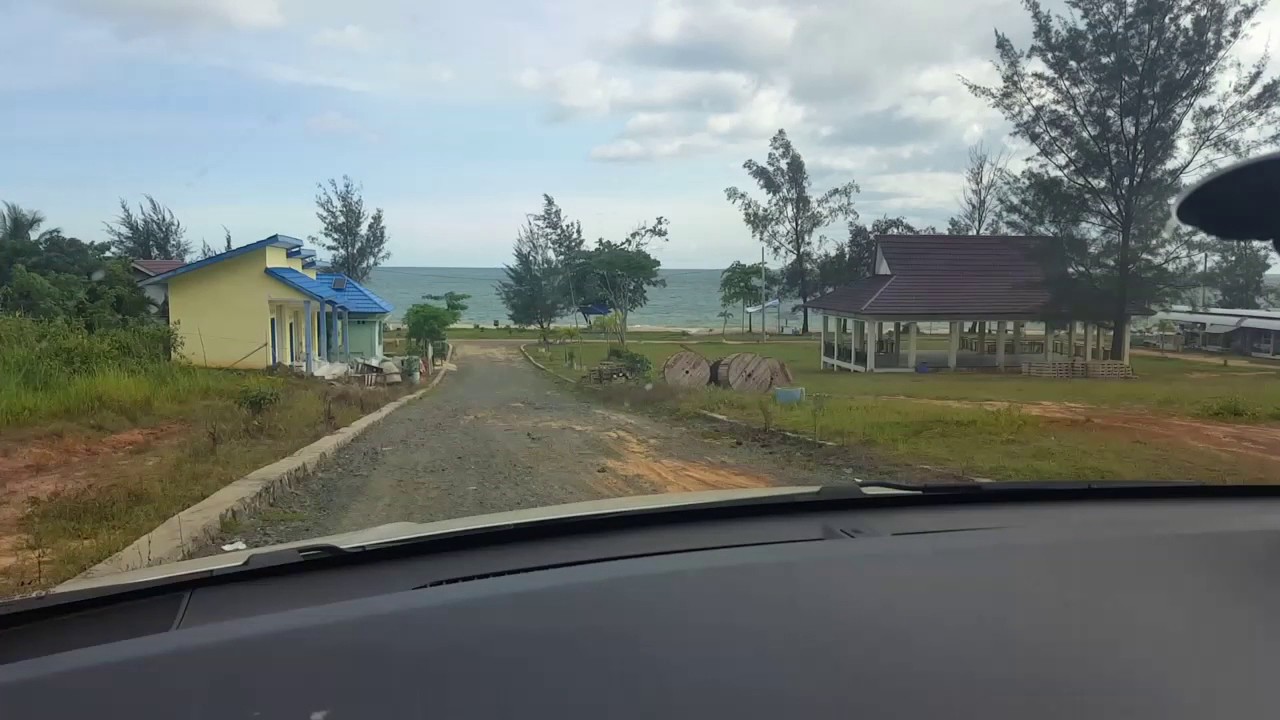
1230 407
637 364
257 399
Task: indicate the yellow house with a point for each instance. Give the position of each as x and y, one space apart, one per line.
263 303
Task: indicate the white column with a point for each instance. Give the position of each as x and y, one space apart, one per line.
911 345
835 345
1048 343
1124 353
1097 341
822 344
324 332
346 336
953 343
1000 326
306 328
1071 340
873 338
1088 343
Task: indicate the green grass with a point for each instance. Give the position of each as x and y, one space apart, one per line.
880 412
71 530
1168 385
1000 445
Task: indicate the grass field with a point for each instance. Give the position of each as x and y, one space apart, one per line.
1112 431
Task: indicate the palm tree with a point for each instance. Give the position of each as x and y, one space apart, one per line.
18 224
724 326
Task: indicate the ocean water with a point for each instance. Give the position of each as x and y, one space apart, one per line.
690 300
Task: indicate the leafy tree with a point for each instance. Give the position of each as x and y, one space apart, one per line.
740 285
1121 101
427 323
454 302
789 216
622 272
20 225
979 198
536 290
153 233
356 240
1237 274
206 251
33 294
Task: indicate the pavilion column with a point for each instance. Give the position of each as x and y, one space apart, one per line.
835 344
855 334
1071 340
953 343
873 340
306 328
822 344
911 344
346 335
1124 352
1000 327
1048 342
1097 329
1088 343
324 332
982 338
897 343
1017 338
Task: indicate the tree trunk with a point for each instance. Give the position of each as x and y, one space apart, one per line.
804 295
1120 312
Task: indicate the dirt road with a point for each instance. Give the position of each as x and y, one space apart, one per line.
499 434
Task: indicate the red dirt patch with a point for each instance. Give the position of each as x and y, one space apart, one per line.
1258 441
41 468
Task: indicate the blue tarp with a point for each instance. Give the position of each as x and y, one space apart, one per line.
597 309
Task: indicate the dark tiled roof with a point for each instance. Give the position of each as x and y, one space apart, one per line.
155 267
948 275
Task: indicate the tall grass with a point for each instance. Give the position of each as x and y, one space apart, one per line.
57 370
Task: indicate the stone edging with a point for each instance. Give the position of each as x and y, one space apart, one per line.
199 524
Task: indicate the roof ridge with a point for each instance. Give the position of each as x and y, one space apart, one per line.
872 299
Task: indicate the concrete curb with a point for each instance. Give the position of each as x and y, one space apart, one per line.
199 524
544 368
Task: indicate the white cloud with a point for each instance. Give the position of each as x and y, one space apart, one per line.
159 16
347 37
721 34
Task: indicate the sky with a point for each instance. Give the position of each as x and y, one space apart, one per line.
457 117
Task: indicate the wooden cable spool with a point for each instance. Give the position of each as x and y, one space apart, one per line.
687 369
744 372
782 376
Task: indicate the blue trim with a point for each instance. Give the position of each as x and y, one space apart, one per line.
301 252
299 281
274 241
308 263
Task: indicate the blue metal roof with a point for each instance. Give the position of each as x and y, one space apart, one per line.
301 282
355 297
283 241
301 252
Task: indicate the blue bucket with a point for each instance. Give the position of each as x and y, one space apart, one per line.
788 396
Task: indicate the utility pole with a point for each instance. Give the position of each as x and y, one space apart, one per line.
763 285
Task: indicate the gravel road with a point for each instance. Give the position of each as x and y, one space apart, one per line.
499 434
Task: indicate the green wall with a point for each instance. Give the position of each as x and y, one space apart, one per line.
366 335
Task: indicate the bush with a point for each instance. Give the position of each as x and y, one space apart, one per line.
637 364
257 399
1230 407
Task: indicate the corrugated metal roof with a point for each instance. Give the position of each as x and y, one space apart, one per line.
354 296
277 240
304 284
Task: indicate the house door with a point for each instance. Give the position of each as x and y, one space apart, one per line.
274 353
293 343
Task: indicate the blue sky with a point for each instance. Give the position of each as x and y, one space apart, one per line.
457 117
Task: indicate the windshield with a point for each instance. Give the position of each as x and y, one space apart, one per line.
275 271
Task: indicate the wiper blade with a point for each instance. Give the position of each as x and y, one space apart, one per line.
1028 485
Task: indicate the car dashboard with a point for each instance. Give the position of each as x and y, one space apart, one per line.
1125 604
